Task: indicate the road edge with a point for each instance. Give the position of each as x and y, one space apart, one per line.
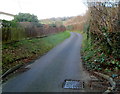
110 80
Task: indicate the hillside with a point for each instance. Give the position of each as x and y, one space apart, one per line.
74 20
57 21
75 23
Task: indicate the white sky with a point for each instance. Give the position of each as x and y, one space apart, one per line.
44 8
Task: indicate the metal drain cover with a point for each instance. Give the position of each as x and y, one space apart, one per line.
73 84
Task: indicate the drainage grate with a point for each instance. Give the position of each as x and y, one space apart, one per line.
73 84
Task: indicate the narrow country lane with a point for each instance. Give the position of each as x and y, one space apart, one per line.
48 73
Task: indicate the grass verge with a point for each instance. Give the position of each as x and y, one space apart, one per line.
27 50
81 32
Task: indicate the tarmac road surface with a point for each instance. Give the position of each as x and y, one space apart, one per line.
48 73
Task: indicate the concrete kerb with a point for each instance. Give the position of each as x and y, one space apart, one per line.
111 81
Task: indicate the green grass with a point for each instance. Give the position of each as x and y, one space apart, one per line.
81 32
27 50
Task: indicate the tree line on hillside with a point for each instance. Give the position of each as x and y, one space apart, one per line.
60 18
25 25
75 23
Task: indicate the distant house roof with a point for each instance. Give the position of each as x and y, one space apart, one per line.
7 14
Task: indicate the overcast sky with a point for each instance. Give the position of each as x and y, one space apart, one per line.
44 8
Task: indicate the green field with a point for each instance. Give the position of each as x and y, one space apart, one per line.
27 50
